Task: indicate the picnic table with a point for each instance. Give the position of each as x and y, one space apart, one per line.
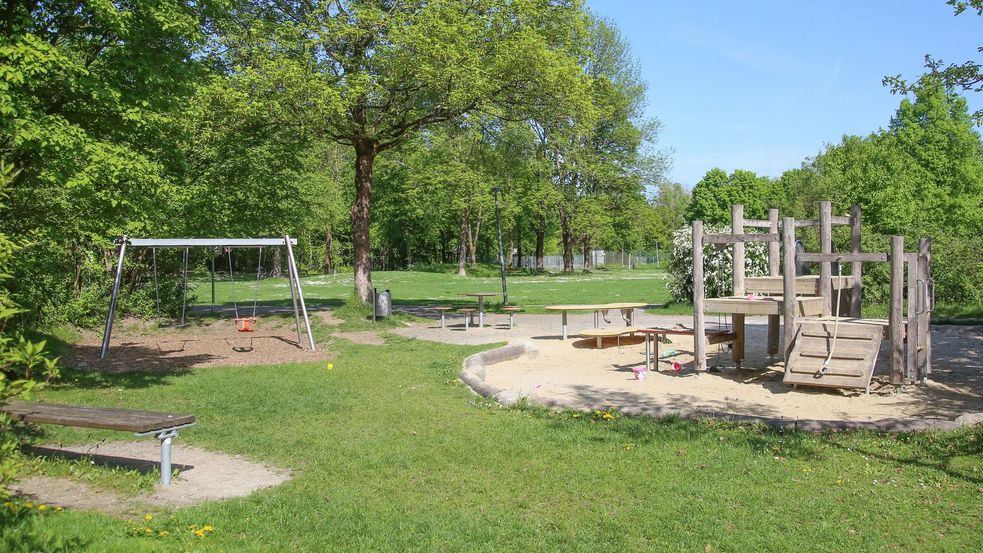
627 310
652 341
481 304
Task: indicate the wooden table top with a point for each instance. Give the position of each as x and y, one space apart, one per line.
480 294
594 306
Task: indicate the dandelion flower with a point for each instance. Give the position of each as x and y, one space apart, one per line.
208 528
163 533
42 507
330 366
148 517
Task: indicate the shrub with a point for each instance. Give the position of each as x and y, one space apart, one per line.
718 263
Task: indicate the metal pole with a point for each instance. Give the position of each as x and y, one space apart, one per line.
112 299
293 298
501 250
300 293
184 286
165 459
214 253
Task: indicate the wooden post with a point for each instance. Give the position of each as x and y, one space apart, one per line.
914 306
774 264
826 246
699 323
858 267
925 315
789 303
737 227
895 322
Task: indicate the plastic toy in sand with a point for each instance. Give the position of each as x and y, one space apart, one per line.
640 373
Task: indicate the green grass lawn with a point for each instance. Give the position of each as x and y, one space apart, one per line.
531 291
390 452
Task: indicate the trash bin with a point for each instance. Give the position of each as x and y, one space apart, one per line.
383 304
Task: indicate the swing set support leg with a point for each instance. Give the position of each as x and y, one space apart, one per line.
292 267
112 300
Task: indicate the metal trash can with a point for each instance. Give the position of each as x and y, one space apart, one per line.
383 304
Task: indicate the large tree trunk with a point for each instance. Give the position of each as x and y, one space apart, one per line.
328 240
568 240
277 263
586 244
540 247
361 217
462 248
473 241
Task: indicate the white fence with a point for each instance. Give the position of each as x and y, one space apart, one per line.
598 258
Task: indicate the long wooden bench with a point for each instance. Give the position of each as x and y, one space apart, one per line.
610 332
163 426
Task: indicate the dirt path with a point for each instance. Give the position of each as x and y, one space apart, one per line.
203 476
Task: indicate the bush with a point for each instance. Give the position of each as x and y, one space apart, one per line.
718 263
20 359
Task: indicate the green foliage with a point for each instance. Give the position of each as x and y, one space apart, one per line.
965 76
921 177
716 192
19 358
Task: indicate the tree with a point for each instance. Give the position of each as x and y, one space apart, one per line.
90 97
601 151
716 192
668 213
966 76
370 74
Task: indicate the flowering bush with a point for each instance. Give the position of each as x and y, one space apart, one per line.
718 264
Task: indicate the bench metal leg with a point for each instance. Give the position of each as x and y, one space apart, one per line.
165 456
442 323
467 322
564 325
511 321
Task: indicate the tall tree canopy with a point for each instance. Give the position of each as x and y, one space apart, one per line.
369 74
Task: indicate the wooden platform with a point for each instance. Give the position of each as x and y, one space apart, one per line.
129 420
806 285
853 360
764 305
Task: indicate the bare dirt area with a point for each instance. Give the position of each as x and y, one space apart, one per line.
139 345
577 374
203 476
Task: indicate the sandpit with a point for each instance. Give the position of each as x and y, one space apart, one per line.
575 374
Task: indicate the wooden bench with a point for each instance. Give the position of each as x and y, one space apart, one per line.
443 309
601 333
511 310
163 426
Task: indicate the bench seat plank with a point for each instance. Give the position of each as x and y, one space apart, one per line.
129 420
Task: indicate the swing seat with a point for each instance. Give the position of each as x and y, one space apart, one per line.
246 324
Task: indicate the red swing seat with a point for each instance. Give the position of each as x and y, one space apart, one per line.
246 324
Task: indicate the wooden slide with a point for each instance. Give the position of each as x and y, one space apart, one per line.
852 363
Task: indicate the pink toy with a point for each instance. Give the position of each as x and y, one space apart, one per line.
676 366
640 373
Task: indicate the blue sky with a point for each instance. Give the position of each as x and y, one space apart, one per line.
761 85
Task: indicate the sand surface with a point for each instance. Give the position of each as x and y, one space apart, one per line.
203 475
578 375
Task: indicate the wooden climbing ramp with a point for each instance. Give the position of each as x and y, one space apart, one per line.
852 363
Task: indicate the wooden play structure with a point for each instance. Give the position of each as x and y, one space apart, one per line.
826 341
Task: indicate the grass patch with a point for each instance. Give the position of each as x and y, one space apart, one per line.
390 452
429 288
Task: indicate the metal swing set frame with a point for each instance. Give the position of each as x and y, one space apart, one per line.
297 295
